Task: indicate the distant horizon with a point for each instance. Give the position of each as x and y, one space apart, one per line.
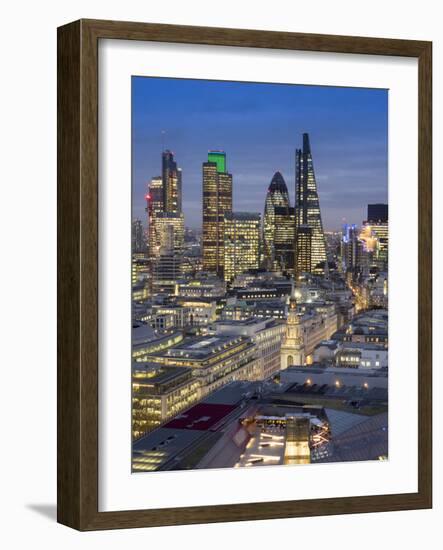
260 126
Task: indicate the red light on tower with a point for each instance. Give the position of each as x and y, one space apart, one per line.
148 197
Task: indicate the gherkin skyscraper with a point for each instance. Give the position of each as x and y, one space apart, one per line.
310 247
276 197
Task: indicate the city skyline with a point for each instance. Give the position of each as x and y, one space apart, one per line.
262 340
241 119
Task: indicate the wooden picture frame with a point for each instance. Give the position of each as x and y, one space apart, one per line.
78 274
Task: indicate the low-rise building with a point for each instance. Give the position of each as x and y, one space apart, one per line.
240 310
368 327
362 355
169 317
158 393
318 376
201 311
267 335
214 361
211 287
145 340
325 351
318 323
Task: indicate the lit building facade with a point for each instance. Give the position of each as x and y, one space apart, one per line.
380 232
209 287
318 324
351 249
166 272
142 348
303 260
215 360
140 267
217 201
202 311
298 431
172 183
164 208
284 239
307 207
278 233
159 393
154 206
241 243
267 335
170 231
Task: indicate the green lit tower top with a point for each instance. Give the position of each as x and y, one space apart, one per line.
219 157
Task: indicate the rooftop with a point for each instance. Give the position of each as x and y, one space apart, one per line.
363 345
243 216
142 333
145 371
201 347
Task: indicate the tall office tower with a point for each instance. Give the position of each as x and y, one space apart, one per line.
138 237
170 231
276 197
180 189
217 201
284 236
303 258
377 226
307 208
377 213
154 206
349 248
172 183
380 233
241 243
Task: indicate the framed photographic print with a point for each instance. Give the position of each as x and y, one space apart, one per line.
244 275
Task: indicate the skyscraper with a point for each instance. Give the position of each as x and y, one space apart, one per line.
284 237
154 206
164 207
379 233
138 237
170 231
307 208
217 201
241 243
277 197
172 183
377 226
303 247
349 248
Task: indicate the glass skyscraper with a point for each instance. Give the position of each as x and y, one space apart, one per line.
154 201
217 201
307 212
275 238
172 183
241 243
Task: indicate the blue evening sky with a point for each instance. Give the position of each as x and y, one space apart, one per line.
260 126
